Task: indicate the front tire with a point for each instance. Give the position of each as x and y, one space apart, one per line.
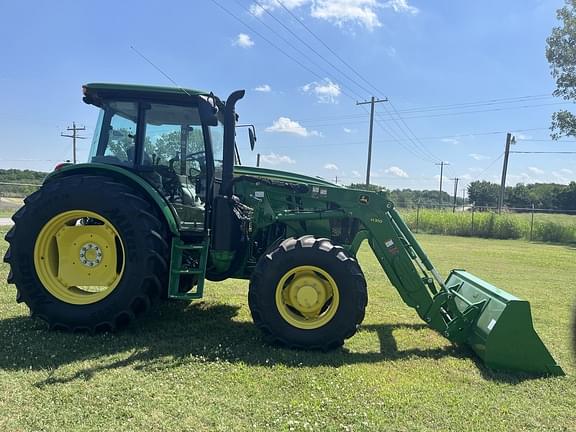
308 293
87 253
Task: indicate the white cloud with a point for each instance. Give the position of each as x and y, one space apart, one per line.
567 171
243 41
340 12
264 88
325 91
474 169
391 51
450 141
355 174
348 130
362 13
396 171
522 136
560 177
276 159
466 177
478 157
331 167
286 125
535 170
402 6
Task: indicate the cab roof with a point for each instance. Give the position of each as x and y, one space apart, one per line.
147 90
96 93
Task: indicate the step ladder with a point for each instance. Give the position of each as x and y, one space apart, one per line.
200 252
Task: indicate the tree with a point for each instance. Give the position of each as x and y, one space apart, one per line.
518 196
567 197
483 193
561 54
370 187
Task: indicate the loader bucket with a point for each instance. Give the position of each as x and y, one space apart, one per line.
503 335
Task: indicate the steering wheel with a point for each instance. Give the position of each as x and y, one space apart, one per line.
199 157
195 156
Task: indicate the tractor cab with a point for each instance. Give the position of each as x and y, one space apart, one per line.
173 138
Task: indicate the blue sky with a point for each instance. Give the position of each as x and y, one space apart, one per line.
458 75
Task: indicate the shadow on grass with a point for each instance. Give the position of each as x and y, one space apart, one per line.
176 334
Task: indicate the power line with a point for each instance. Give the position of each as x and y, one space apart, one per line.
401 129
159 70
411 132
488 102
291 57
334 53
287 42
311 47
447 114
548 140
390 132
327 121
544 152
476 177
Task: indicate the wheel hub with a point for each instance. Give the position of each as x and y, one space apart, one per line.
307 297
90 255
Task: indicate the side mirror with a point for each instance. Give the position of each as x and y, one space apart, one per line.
252 137
251 134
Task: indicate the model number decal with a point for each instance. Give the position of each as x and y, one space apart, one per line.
376 220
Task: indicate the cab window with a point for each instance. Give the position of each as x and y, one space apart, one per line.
116 140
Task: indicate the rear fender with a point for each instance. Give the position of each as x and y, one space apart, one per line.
129 178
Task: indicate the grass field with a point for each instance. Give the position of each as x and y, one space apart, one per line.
203 366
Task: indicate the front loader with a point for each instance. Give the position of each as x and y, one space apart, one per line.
162 205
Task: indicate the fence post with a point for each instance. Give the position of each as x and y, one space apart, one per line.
532 222
417 215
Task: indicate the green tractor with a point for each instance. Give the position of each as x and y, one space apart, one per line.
162 205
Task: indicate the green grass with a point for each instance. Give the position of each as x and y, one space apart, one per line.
203 366
554 228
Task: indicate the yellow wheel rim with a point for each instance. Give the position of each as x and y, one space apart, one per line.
307 297
79 257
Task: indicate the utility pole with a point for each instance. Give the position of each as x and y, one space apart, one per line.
463 197
456 179
372 101
258 160
442 165
509 140
74 137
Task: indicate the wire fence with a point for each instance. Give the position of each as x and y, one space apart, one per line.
530 223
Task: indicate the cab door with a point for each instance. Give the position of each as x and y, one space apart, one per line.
174 160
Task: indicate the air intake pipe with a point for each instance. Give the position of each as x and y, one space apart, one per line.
229 142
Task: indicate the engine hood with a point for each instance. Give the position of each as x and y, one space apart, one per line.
283 176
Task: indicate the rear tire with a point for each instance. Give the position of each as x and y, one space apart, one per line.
288 281
140 240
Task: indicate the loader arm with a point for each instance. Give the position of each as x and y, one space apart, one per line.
463 308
